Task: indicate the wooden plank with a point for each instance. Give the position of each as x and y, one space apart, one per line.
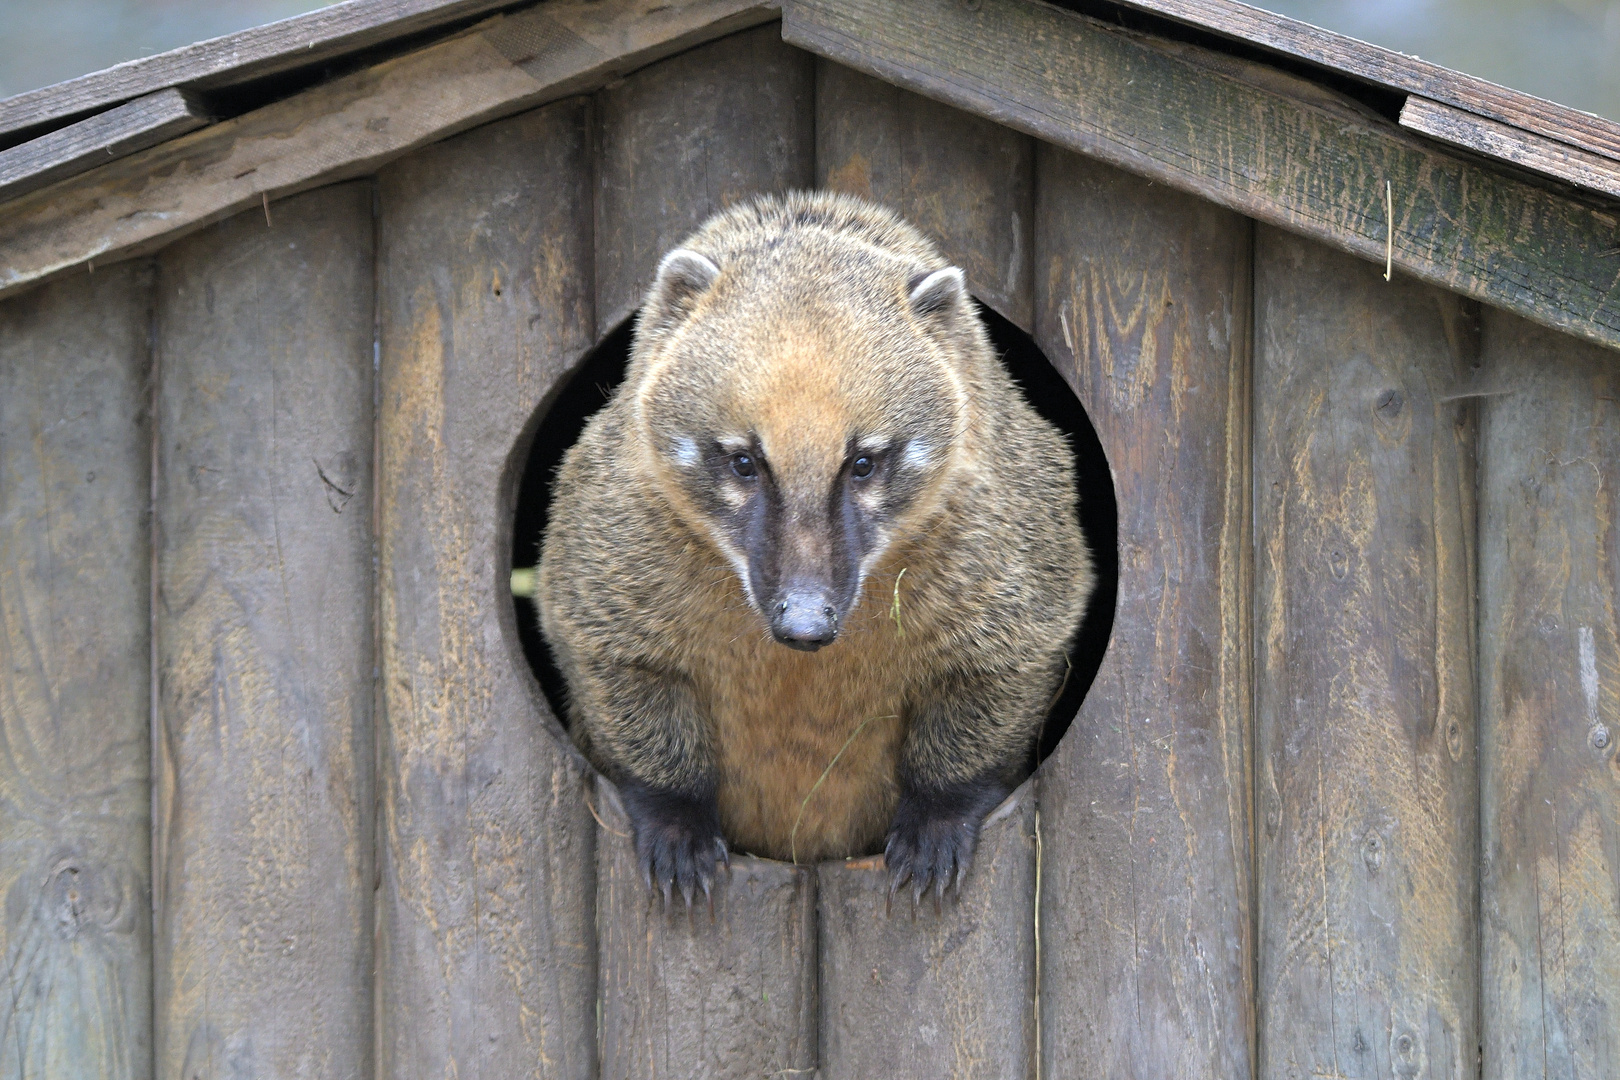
301 41
348 127
1244 136
686 138
1462 128
967 183
727 996
1368 810
1550 686
1385 67
486 958
1146 909
677 142
113 134
947 993
263 775
75 680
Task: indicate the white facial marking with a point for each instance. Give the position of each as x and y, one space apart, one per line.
918 454
739 563
686 451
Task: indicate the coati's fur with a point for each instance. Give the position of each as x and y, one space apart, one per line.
714 514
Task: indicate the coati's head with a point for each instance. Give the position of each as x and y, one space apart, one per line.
801 387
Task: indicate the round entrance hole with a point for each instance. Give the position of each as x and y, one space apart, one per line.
603 369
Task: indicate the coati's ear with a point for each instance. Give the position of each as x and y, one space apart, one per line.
683 276
936 292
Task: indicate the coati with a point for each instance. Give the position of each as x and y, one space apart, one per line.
811 574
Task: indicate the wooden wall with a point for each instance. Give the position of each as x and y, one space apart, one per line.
279 795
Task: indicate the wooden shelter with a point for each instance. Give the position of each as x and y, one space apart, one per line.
279 314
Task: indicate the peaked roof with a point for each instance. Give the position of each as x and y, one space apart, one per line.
123 108
144 150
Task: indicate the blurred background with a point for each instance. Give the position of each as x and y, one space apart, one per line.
1567 50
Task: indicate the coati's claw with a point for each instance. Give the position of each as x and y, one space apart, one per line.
932 838
678 841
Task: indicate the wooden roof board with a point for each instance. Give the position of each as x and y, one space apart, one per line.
96 140
1243 135
1504 142
300 41
1512 126
1387 68
349 126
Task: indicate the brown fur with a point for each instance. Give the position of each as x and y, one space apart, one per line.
806 341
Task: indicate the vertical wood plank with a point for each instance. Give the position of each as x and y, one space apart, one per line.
689 136
678 141
952 993
690 995
1146 910
75 682
966 182
1365 679
486 952
264 661
1549 583
922 995
949 993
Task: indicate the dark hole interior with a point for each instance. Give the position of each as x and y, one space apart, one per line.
603 369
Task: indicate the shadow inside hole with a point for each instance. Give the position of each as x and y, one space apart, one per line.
589 388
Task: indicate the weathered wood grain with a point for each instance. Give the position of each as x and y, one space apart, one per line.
966 182
1549 550
949 994
1368 811
300 41
919 994
75 684
1496 139
348 127
687 137
73 149
486 958
676 142
1146 910
263 774
1242 135
1395 70
727 996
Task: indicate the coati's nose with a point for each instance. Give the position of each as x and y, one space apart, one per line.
803 619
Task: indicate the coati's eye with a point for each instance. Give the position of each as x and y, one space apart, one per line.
862 467
743 465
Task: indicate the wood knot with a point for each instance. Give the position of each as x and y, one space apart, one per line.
1372 852
1406 1053
77 896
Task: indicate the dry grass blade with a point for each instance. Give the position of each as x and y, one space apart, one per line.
894 608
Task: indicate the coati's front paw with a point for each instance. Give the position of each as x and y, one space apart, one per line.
932 837
678 842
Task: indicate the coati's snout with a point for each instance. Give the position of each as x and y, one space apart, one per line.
804 620
806 546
